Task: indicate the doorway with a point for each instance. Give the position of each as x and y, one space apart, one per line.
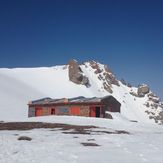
38 112
97 111
53 111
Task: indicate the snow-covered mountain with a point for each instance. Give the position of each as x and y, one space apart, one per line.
20 85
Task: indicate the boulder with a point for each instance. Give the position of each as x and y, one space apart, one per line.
25 138
143 90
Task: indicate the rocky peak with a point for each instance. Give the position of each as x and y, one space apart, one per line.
76 74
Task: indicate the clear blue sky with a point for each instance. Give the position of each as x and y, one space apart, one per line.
125 34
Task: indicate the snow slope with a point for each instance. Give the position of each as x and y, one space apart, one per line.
20 85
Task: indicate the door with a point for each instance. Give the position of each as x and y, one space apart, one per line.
38 112
53 111
97 111
92 112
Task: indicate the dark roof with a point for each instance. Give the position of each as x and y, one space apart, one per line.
80 99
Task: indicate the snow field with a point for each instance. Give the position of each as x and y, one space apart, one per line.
144 144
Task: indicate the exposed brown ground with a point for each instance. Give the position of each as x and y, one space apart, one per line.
37 125
75 129
90 144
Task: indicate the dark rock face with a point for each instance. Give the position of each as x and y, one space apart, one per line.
76 75
154 98
94 65
109 76
104 75
98 71
107 87
147 104
154 106
143 90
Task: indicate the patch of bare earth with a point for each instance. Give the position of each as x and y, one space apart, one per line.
91 132
91 139
90 144
75 129
37 125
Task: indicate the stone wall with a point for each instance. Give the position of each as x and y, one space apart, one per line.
84 111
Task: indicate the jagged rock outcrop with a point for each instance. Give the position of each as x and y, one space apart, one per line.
107 87
105 75
155 110
110 76
143 89
76 75
153 97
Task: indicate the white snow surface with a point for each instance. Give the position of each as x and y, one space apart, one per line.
143 145
18 86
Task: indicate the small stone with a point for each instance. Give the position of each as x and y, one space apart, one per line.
25 138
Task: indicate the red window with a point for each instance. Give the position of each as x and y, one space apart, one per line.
75 110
